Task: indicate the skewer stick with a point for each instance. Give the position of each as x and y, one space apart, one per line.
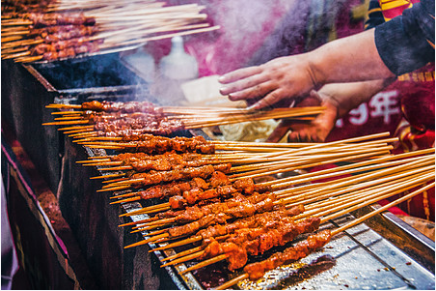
120 168
67 112
181 254
155 208
179 243
70 117
164 206
64 106
132 199
143 242
130 194
76 127
150 227
94 161
17 55
139 221
184 259
366 203
14 50
351 195
11 38
359 181
376 195
28 59
363 170
67 122
115 180
381 209
303 165
102 163
313 196
171 35
350 166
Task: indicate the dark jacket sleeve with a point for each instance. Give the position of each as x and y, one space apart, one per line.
406 42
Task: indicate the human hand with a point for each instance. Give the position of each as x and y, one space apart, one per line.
285 77
315 131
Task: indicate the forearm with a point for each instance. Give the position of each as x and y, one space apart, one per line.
347 96
352 59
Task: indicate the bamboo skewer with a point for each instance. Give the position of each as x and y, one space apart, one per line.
166 206
330 173
263 172
340 204
120 27
407 183
338 230
350 166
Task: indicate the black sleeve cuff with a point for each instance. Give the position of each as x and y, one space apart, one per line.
401 42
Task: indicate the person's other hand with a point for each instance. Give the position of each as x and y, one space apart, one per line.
315 131
285 77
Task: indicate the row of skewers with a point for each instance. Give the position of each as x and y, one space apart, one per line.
128 121
213 200
42 33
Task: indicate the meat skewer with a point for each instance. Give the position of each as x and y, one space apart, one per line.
183 193
141 162
341 206
140 180
255 221
200 217
294 193
302 249
253 241
178 187
134 125
159 145
39 20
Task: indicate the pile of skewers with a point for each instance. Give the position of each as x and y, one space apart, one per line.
235 219
210 195
59 30
117 121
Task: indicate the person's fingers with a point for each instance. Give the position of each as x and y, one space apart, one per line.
246 83
239 74
280 131
294 136
303 136
269 100
253 92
